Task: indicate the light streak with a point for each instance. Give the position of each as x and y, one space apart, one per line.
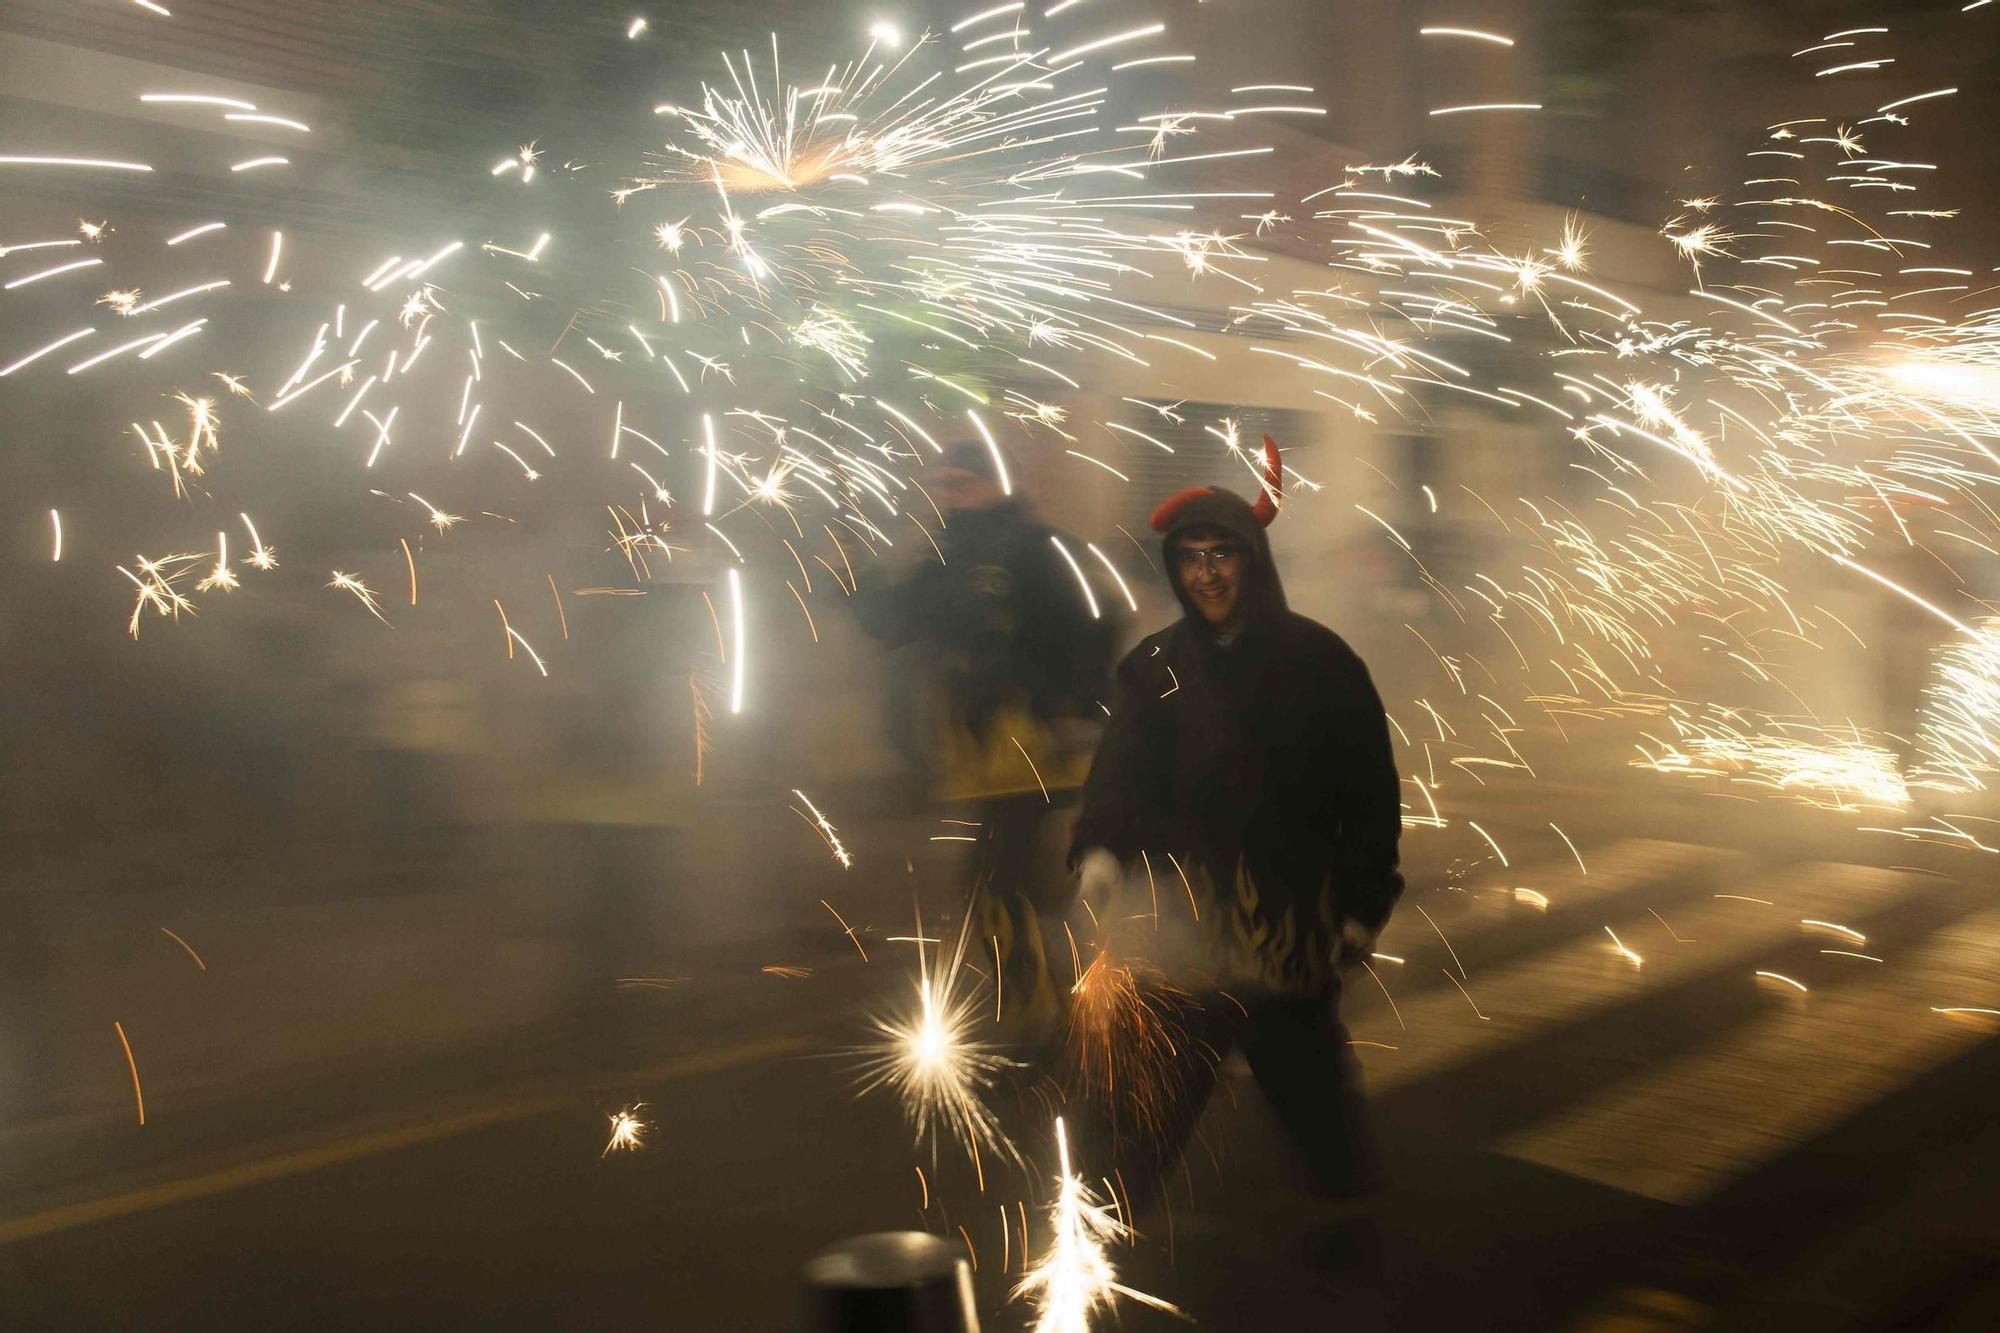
138 1093
826 830
102 163
1468 998
198 99
70 267
1031 768
1779 976
253 163
255 118
1489 841
25 246
985 14
1130 601
533 656
185 945
708 475
1918 97
1473 33
736 624
1115 39
465 434
1634 959
55 520
1089 596
160 301
423 267
44 350
1901 591
102 357
1849 932
1487 106
164 341
1581 868
1447 943
993 449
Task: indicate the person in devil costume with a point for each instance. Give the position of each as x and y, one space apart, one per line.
1238 845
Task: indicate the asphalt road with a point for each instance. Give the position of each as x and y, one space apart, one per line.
1580 1133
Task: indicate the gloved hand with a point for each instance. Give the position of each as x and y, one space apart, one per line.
1355 944
1098 875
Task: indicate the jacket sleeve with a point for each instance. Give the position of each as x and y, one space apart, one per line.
1368 805
1126 791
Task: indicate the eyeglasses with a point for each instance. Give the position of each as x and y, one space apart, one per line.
1194 559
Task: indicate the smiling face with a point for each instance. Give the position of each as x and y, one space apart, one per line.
1208 567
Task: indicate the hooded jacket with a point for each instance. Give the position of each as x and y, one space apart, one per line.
1261 765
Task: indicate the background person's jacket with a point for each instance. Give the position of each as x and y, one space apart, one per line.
1012 653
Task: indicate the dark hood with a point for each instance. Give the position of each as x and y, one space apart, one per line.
1262 593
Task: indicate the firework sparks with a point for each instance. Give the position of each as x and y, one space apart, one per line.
362 593
1125 1040
1074 1279
931 1061
628 1130
1834 393
826 830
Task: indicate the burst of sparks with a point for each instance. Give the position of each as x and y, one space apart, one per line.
930 1059
1074 1279
361 591
628 1130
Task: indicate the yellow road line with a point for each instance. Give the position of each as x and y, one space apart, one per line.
319 1158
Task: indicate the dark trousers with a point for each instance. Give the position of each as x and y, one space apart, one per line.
1298 1052
1019 893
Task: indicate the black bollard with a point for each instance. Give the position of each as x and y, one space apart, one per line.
890 1282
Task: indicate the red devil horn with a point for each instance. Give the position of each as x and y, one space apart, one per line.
1266 507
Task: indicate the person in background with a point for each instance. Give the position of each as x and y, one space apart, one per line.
1013 665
